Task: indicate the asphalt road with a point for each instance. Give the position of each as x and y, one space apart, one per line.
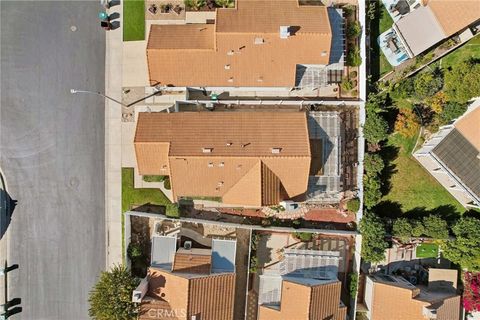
52 153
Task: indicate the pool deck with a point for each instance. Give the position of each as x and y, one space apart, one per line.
393 58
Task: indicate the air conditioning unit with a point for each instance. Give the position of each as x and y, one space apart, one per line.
187 245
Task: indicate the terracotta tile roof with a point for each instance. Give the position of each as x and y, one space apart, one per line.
192 263
408 303
211 296
303 302
236 60
455 15
228 170
153 165
469 127
177 37
189 132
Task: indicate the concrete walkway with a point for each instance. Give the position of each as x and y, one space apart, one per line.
113 141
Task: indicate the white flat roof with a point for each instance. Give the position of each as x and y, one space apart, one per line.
420 30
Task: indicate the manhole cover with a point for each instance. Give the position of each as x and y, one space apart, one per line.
73 28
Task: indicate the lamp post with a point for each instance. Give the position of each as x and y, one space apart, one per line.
74 91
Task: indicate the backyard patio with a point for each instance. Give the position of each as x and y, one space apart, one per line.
392 47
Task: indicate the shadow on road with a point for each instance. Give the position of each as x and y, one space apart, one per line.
7 206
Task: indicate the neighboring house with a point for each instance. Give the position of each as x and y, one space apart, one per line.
188 283
452 156
242 158
260 43
303 286
437 20
394 298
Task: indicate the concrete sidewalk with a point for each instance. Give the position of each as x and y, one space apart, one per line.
113 147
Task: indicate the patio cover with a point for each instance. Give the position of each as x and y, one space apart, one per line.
420 30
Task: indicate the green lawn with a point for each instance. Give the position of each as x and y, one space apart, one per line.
411 185
469 50
386 21
379 64
133 20
427 250
131 196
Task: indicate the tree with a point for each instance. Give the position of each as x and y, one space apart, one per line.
465 249
452 110
373 238
417 228
172 210
375 128
111 297
403 89
402 229
437 102
462 82
435 227
371 191
406 123
471 292
353 57
373 164
427 84
194 4
376 102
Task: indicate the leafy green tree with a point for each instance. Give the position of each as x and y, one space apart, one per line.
373 164
417 228
452 110
353 205
373 238
353 57
435 227
426 84
111 297
403 89
375 128
465 249
462 82
402 229
371 191
376 102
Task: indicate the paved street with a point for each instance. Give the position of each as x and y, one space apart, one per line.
52 154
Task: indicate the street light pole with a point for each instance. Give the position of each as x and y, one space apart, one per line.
74 91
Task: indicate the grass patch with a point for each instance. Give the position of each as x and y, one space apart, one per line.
386 20
153 178
379 65
411 185
427 250
131 196
469 50
133 20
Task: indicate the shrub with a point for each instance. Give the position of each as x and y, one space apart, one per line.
172 210
353 284
111 297
373 238
373 164
437 102
134 251
225 3
253 263
347 84
194 4
154 178
375 128
402 229
353 74
353 205
371 191
166 183
451 111
417 228
303 236
353 57
471 292
354 29
403 89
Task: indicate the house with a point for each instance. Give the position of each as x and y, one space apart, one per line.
394 298
452 156
189 281
260 43
241 158
435 21
304 285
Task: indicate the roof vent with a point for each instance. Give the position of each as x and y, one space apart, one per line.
259 40
230 53
227 67
276 150
260 79
187 245
230 80
207 150
210 164
229 144
324 53
221 164
220 184
284 32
